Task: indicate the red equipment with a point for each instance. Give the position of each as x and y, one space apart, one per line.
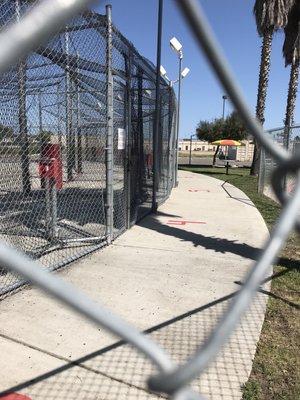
50 165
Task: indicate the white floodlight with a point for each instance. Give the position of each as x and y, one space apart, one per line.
148 92
185 72
176 45
163 72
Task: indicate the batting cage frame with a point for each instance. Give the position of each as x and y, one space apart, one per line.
77 122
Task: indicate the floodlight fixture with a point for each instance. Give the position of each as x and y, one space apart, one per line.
176 46
163 72
185 72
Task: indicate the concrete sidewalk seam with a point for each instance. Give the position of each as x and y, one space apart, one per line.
148 248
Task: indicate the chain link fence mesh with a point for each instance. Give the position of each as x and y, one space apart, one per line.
54 139
268 164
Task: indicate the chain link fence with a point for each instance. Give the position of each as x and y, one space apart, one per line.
268 164
76 134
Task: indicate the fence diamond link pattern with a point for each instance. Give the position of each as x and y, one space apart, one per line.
268 164
59 172
118 96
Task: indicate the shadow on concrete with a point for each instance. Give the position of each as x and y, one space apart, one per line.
291 265
246 201
80 361
105 363
219 245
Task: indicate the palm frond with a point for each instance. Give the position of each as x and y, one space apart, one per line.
291 46
271 15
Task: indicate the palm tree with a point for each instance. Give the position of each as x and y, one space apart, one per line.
291 54
270 15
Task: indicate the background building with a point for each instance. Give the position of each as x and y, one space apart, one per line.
242 153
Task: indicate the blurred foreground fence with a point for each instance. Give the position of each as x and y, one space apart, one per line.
268 164
76 139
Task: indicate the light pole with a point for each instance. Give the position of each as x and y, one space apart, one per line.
191 142
183 74
224 97
177 47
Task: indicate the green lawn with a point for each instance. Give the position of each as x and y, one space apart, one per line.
276 368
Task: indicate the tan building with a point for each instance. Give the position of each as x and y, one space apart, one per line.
242 153
197 145
245 152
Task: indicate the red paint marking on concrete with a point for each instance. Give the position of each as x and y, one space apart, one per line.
15 396
183 222
199 190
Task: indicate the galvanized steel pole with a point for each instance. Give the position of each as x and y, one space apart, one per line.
23 128
178 118
59 133
78 110
128 105
191 142
110 132
157 110
69 122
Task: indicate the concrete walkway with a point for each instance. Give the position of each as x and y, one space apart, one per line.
171 277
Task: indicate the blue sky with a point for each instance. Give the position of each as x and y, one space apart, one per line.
234 27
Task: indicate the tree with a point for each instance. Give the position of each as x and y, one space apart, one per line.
270 15
231 127
291 54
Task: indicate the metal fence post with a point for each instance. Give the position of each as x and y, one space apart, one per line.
157 110
41 135
59 133
69 111
170 138
262 172
79 135
24 144
40 113
140 137
174 152
128 66
78 119
110 131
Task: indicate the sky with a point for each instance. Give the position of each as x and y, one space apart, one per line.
234 27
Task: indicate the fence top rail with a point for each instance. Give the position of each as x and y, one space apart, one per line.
282 128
